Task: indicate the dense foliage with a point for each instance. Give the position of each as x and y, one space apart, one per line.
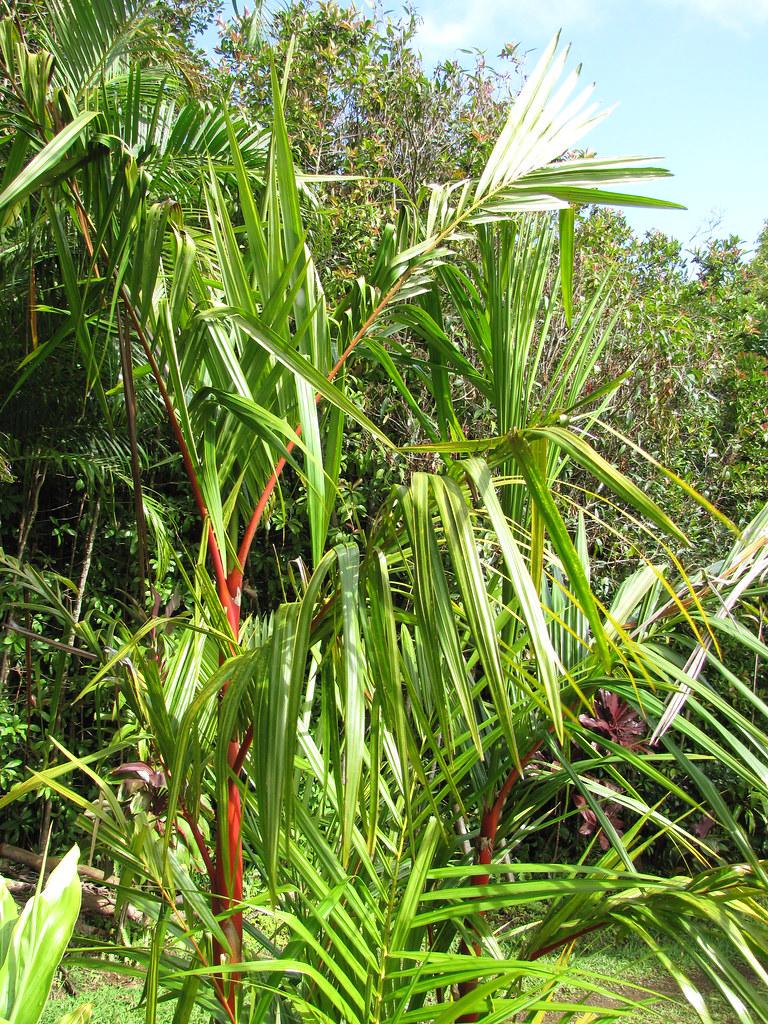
383 540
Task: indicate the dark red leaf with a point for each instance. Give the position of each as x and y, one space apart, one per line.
143 771
616 720
704 826
590 824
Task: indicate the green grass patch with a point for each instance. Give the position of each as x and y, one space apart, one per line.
114 1000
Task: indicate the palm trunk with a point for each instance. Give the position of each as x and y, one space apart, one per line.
227 881
489 826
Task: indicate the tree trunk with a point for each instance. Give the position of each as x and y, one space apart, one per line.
28 517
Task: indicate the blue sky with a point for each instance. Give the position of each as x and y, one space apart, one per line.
690 78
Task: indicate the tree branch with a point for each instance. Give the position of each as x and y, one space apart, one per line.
258 512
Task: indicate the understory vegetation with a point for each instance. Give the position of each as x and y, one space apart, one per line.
383 537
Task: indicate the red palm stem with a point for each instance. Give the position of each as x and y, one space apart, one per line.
489 826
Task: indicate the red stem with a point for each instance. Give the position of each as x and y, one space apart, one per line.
258 512
186 455
201 845
242 753
227 886
489 826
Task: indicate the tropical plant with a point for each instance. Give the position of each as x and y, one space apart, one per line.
32 944
430 691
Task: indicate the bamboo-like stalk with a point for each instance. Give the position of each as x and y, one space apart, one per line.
28 517
90 540
129 394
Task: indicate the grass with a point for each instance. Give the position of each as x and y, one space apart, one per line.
113 1000
635 970
111 1004
637 975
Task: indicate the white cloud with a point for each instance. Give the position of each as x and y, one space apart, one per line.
449 25
442 36
490 24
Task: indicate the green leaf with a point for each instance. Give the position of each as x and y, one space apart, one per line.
37 943
583 453
548 666
417 877
354 702
45 167
566 261
561 542
80 1015
286 354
